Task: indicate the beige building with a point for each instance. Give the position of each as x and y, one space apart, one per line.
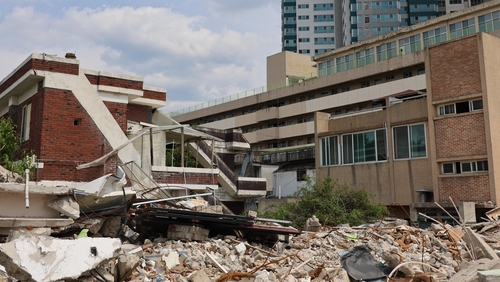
421 100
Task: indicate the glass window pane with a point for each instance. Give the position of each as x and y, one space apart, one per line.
448 168
417 137
324 151
347 149
401 148
364 147
334 153
466 167
381 145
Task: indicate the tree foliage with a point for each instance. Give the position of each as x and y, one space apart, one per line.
189 159
332 203
10 148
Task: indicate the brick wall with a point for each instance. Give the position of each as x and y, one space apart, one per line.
68 137
185 178
464 188
119 82
161 96
40 65
119 112
455 68
139 113
458 136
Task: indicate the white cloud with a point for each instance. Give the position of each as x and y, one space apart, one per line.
195 58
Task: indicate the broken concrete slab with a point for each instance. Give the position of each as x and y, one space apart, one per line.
111 226
66 205
42 258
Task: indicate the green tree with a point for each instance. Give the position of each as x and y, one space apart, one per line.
189 159
10 147
332 203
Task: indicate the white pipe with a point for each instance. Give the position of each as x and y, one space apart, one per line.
27 173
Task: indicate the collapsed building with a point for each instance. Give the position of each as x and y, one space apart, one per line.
82 124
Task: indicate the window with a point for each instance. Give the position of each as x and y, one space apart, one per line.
365 57
464 167
345 89
462 28
324 40
386 51
324 29
304 40
323 7
367 19
330 154
461 107
326 68
323 18
303 28
409 44
409 141
25 122
378 81
407 74
291 143
448 168
362 147
385 18
489 22
303 6
389 78
301 174
304 51
303 17
365 84
345 63
335 91
435 36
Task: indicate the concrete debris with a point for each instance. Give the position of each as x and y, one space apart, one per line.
9 176
43 258
431 254
312 224
66 205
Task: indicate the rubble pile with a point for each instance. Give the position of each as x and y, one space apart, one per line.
438 253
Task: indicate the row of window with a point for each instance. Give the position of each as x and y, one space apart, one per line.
460 107
464 167
317 18
371 146
410 44
316 51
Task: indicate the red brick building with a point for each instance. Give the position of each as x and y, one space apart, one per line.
68 116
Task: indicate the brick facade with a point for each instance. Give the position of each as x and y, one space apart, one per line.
63 136
154 95
464 188
455 68
119 112
35 64
115 82
458 136
139 113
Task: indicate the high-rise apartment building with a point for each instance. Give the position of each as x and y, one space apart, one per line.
311 27
314 27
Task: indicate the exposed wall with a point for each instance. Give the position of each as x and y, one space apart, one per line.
455 76
391 180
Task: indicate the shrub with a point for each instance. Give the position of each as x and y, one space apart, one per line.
10 147
332 203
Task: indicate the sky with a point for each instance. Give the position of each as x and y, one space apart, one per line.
199 50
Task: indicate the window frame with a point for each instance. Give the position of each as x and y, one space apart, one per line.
409 142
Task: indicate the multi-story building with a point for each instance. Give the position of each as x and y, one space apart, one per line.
317 26
311 27
431 83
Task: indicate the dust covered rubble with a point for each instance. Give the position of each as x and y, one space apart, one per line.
311 256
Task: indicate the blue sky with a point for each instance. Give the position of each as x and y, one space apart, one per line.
199 50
